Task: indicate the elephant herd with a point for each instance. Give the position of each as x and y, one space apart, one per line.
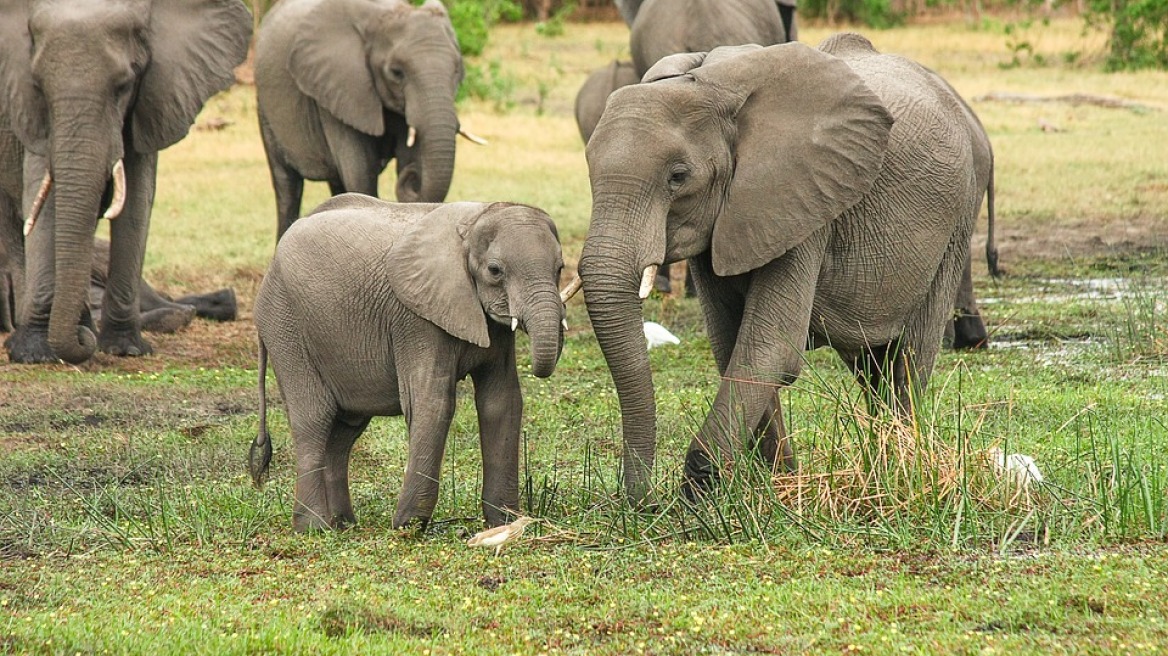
820 197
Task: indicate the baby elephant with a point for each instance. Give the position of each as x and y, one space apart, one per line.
372 308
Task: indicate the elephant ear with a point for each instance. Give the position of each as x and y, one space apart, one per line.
811 139
427 272
24 105
329 64
195 46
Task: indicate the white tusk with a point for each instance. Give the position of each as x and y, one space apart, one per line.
564 323
473 138
38 202
647 281
514 324
571 290
119 200
411 137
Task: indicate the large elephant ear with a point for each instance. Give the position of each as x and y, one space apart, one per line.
195 46
427 271
811 139
329 65
24 105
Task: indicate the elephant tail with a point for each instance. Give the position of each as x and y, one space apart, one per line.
261 448
991 245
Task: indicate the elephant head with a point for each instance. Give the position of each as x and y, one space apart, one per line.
465 263
361 59
737 155
86 80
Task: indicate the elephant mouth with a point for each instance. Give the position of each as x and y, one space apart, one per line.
505 320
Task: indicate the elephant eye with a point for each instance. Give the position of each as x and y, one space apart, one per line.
678 178
495 270
397 74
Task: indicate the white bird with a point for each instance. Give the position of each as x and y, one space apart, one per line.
500 535
1022 467
658 335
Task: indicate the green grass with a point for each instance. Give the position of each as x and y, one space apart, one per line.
128 523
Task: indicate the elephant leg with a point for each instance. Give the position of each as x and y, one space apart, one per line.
345 431
722 308
428 416
767 354
499 402
881 371
218 305
29 343
287 184
966 330
121 329
355 155
157 314
11 261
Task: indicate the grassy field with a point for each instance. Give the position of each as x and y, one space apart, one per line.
128 523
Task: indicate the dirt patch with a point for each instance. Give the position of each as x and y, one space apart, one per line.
1020 243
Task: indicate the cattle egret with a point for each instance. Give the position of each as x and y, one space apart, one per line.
658 335
1022 467
500 535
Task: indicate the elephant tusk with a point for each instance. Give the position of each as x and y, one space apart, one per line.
571 290
119 200
411 137
647 281
38 202
514 324
564 323
471 137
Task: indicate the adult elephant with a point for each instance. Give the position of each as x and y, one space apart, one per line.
344 86
594 93
821 197
664 27
95 88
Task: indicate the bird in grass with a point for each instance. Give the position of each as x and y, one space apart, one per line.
658 335
500 535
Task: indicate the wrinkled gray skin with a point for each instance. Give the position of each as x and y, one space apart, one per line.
664 27
967 330
159 313
593 94
88 83
373 308
793 241
339 82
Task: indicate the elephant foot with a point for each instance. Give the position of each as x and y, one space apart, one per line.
699 476
305 520
216 306
969 332
408 518
123 342
168 320
30 345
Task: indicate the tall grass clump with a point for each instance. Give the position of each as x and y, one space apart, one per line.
934 478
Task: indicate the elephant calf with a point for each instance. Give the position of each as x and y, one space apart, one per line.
372 308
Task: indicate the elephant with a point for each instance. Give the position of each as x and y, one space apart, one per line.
789 178
158 312
630 8
344 86
94 89
371 308
594 93
665 27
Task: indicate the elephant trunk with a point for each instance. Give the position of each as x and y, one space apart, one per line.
437 128
80 172
611 290
543 320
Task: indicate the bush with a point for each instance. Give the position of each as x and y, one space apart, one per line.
873 13
1139 31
